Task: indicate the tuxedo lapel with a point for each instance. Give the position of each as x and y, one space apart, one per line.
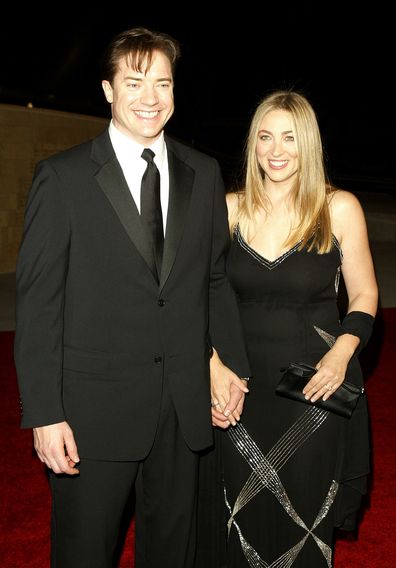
112 182
181 177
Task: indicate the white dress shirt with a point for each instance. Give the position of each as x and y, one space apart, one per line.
129 155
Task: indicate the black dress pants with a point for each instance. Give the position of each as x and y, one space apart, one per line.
88 509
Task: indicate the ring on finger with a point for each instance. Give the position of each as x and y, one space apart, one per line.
329 387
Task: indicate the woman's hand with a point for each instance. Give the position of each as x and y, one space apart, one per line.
227 393
331 369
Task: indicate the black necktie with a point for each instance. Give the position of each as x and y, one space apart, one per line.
150 207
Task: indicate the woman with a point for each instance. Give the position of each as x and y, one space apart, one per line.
294 472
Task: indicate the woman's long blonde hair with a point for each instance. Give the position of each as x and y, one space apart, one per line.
309 196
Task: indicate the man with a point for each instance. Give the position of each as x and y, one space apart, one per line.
114 321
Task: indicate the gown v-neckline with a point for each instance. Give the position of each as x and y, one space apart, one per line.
270 264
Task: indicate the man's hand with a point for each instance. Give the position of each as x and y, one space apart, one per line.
227 393
55 446
223 418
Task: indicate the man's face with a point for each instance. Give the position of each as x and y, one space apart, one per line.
142 102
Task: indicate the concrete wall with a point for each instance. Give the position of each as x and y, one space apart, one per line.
26 136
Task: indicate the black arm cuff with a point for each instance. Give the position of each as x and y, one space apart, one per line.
359 324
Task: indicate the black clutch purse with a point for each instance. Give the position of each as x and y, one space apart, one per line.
342 401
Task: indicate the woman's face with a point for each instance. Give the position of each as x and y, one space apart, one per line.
276 147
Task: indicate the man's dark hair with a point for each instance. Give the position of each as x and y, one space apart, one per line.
137 46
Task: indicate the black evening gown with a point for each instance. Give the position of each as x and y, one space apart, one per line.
291 472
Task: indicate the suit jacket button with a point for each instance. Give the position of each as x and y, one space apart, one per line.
161 302
157 360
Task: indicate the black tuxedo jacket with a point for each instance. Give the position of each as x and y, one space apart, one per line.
96 332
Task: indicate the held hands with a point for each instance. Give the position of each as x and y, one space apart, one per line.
227 394
331 369
55 446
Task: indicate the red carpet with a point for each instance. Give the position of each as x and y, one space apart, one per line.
25 499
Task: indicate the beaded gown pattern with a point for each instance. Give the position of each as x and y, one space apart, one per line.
291 472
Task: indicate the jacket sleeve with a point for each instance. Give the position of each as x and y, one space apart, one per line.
40 290
225 329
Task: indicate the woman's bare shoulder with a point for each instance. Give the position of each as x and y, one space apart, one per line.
233 199
346 212
342 202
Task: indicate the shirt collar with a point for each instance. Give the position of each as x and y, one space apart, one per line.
127 147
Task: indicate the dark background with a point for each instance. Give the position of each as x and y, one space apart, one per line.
340 55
